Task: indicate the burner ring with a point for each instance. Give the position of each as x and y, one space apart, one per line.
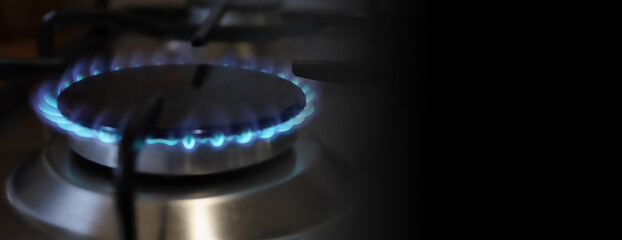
202 100
177 148
313 181
45 102
175 160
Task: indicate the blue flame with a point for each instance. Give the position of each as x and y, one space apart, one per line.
82 131
265 66
309 97
118 63
137 59
188 141
97 66
217 140
170 142
295 81
107 135
267 133
80 70
284 127
51 101
63 84
46 103
249 64
228 60
49 110
159 58
244 137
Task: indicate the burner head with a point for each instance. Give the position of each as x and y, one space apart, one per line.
198 99
205 107
292 197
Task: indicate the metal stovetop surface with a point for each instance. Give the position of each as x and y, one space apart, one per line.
352 121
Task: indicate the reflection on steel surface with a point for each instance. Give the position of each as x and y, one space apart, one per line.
303 188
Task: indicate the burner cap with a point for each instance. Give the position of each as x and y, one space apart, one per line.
198 99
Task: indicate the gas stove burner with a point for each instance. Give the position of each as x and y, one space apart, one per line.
290 197
200 100
215 118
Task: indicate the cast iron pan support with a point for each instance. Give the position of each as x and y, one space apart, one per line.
136 130
211 21
102 17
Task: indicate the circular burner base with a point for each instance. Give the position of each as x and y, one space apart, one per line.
162 159
300 189
201 100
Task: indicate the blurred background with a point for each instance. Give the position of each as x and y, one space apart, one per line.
373 100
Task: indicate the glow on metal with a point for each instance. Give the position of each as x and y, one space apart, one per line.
107 135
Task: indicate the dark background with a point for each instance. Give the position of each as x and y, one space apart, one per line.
398 166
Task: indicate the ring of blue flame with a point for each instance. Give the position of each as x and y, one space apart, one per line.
46 106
